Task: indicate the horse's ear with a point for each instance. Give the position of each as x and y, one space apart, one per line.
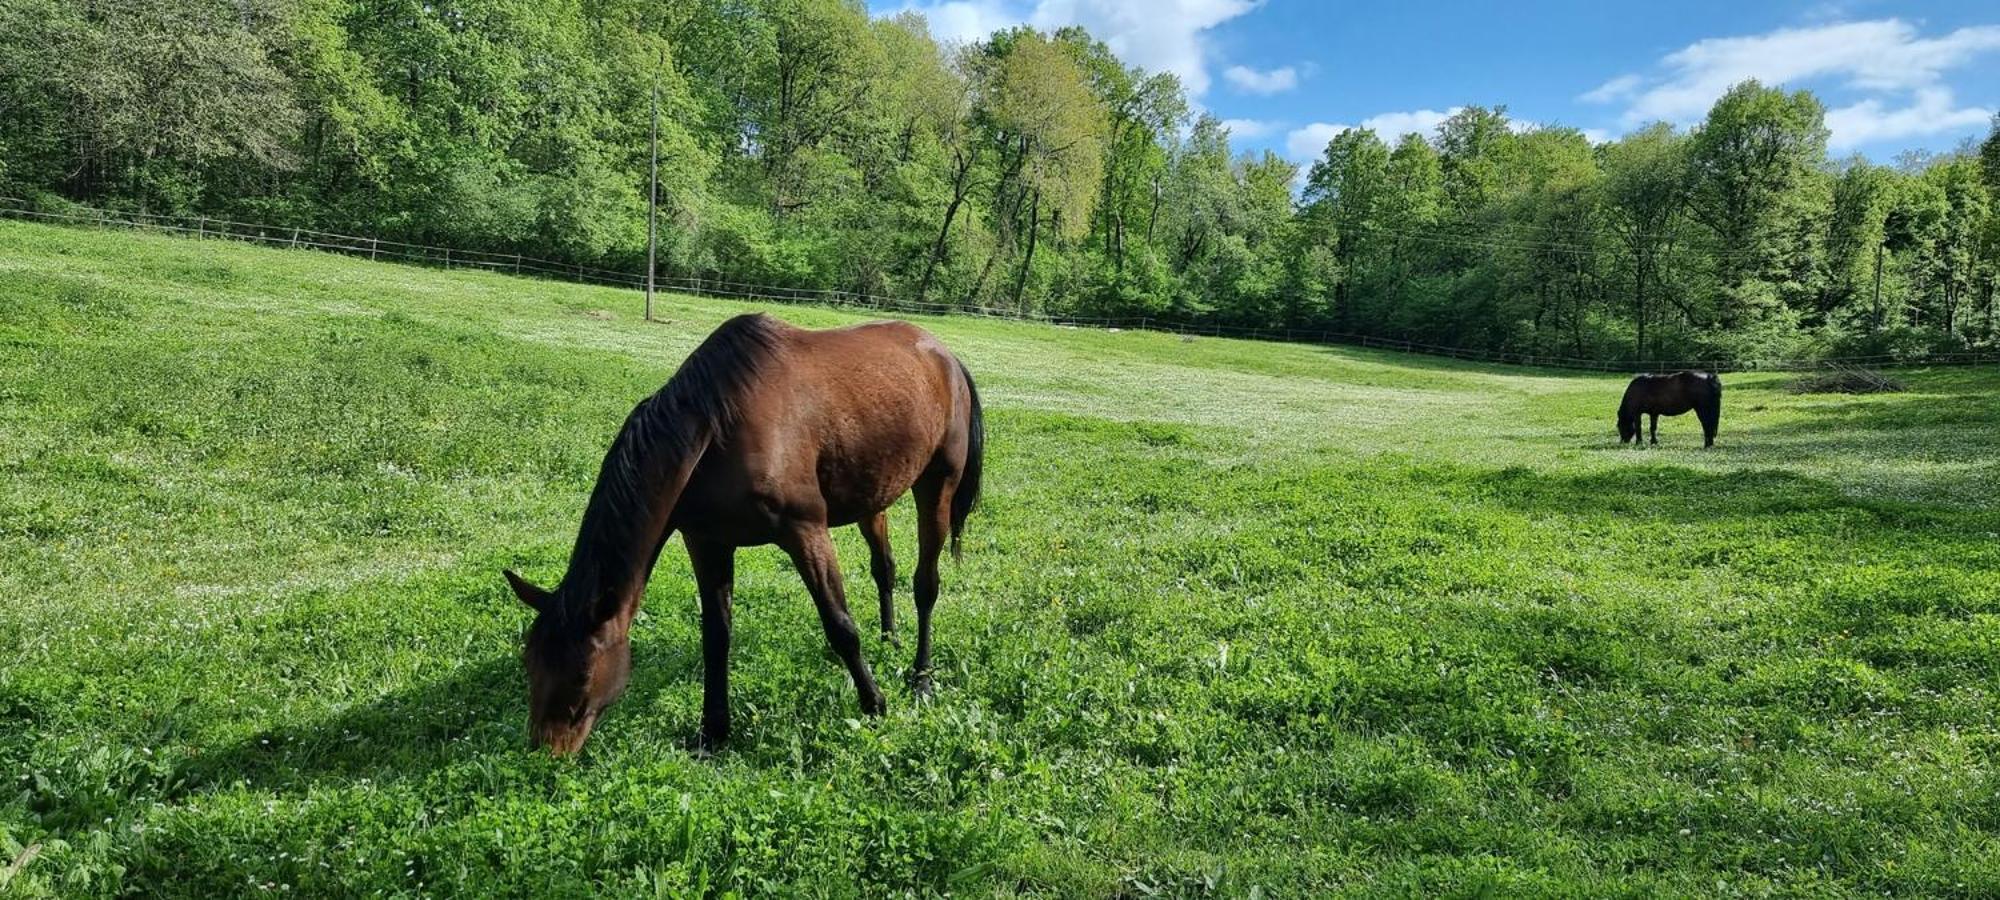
536 598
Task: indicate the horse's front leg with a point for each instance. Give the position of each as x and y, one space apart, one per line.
811 549
715 574
1656 428
882 565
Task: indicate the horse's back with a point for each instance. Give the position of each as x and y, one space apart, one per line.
1644 392
1698 386
892 377
901 348
841 423
1670 394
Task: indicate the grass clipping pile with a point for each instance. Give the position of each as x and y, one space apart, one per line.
1846 381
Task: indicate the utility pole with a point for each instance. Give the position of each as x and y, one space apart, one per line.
1878 285
653 197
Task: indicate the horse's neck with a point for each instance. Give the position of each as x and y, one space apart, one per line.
601 585
624 527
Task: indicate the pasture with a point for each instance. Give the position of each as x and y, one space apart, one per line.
1235 618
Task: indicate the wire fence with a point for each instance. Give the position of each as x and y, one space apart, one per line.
518 264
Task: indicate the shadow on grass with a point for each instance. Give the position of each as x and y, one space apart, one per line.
476 711
1648 489
1940 449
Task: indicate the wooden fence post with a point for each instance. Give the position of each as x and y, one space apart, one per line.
373 244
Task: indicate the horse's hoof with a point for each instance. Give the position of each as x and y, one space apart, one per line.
890 638
702 746
921 686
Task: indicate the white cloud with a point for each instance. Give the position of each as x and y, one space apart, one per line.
1309 143
1251 81
1593 135
1932 112
1883 57
1616 89
1157 35
1249 129
1396 124
1306 144
965 21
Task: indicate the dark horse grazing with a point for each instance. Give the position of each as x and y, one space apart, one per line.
768 434
1670 395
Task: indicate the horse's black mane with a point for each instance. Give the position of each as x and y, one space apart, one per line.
696 405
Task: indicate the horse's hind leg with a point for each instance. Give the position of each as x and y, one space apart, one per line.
1656 428
933 528
882 565
811 549
1710 418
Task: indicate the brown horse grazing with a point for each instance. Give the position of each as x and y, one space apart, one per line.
1670 395
768 434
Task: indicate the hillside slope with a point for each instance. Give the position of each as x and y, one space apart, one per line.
1235 615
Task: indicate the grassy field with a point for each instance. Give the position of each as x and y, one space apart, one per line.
1237 619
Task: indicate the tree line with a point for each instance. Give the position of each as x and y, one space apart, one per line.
804 144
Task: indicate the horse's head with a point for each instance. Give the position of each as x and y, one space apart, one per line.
576 667
1628 427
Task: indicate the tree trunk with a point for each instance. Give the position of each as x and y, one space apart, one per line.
937 248
1028 258
1639 300
958 192
1541 309
1190 245
1342 318
1950 304
1004 212
1878 286
1153 217
1119 268
1576 319
1989 308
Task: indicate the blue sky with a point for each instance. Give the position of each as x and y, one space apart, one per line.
1289 74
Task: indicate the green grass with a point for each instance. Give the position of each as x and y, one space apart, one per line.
1235 619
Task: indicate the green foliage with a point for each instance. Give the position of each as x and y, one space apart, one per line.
806 144
1235 618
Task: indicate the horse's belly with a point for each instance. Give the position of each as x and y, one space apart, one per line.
751 493
850 498
862 470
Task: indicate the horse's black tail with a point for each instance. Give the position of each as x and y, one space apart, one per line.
966 497
1714 406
